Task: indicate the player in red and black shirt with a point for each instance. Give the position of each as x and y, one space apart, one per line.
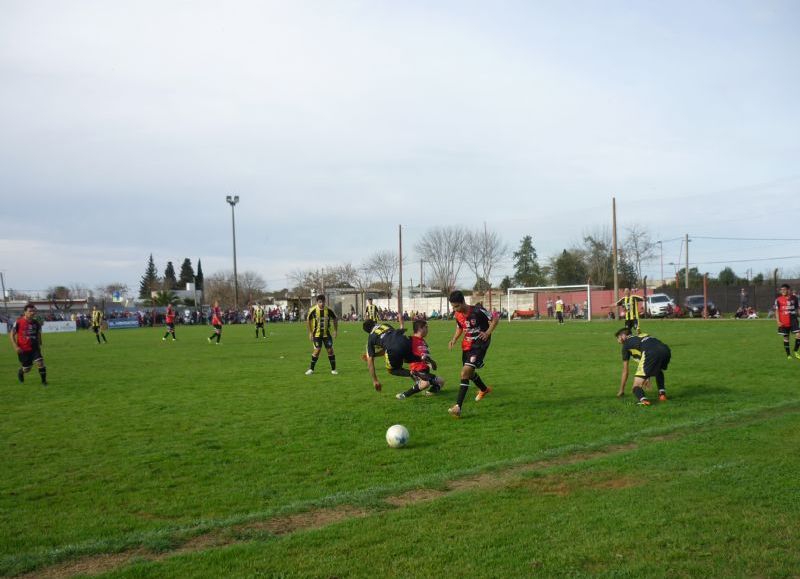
216 321
787 309
26 336
170 321
477 326
422 366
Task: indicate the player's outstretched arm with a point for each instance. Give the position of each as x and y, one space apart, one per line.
623 379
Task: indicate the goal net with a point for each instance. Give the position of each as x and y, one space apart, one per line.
540 302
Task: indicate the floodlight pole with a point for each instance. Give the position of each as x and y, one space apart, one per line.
232 201
5 299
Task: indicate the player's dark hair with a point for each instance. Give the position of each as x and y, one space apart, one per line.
321 298
456 297
419 324
368 325
29 307
786 285
621 331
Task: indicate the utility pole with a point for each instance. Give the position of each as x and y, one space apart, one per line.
661 246
232 201
687 261
400 282
5 299
614 247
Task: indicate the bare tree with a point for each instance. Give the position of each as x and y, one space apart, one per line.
639 247
596 255
252 286
442 249
482 251
219 286
384 266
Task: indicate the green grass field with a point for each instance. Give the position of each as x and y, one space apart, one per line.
146 458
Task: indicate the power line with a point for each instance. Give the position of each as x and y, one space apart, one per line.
746 260
746 238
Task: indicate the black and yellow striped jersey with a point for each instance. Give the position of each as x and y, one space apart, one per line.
375 339
631 305
258 315
97 318
319 320
634 346
372 313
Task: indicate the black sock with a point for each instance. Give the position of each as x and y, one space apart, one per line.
462 392
478 382
21 375
660 381
796 344
639 393
786 347
411 391
313 361
212 336
256 332
98 337
219 337
165 336
43 374
104 337
332 360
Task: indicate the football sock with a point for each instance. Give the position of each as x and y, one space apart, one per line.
313 361
256 332
660 381
21 375
462 392
796 344
639 393
98 337
43 374
104 337
786 346
478 382
165 335
332 360
411 391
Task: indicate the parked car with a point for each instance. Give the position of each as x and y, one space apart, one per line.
658 305
693 305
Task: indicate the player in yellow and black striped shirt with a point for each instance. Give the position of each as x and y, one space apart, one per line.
97 324
258 318
631 304
371 312
319 321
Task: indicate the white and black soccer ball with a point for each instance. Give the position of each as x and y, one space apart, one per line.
397 436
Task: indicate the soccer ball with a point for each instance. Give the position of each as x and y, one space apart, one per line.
397 436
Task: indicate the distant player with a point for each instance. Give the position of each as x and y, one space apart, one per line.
216 323
653 356
477 326
169 318
787 309
421 370
319 321
259 315
391 343
371 312
97 324
559 309
630 302
26 337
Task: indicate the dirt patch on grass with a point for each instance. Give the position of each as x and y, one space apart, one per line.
307 520
93 565
415 496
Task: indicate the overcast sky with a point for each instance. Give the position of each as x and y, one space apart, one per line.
123 126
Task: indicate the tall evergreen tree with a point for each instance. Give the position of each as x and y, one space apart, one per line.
187 273
149 281
569 269
526 269
199 276
170 281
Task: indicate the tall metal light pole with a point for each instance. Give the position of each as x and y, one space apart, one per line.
661 246
232 201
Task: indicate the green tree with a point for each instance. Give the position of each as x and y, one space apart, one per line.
626 273
164 298
727 277
569 269
199 276
149 281
526 269
506 283
481 286
170 282
187 273
695 277
758 279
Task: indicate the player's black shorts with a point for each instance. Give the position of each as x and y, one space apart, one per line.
26 359
560 316
632 324
171 326
653 362
474 356
786 330
96 329
217 327
327 341
259 324
397 350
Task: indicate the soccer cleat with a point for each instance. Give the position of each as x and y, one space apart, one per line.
209 340
335 372
400 396
163 339
797 354
643 402
482 393
662 398
455 411
309 372
20 376
789 357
